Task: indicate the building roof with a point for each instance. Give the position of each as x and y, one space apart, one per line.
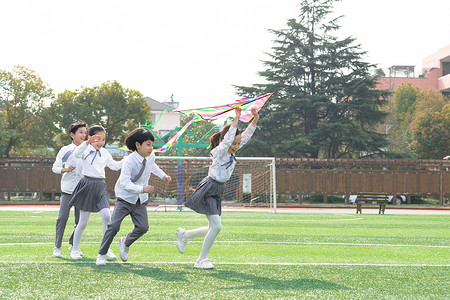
156 105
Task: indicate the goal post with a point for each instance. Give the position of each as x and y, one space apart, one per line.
252 182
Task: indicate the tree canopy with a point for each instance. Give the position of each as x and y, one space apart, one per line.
325 102
22 100
421 123
110 105
430 126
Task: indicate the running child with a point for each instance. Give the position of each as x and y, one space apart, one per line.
207 198
131 191
91 195
70 167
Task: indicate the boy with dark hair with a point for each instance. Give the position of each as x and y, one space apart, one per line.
131 191
70 168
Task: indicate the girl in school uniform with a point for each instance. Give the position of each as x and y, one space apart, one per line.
91 195
70 167
131 191
207 197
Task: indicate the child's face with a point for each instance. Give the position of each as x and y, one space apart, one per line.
79 136
100 140
144 149
236 143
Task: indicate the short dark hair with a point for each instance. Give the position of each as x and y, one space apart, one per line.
75 126
139 135
96 129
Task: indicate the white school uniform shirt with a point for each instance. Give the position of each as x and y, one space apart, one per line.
94 161
220 169
69 180
125 188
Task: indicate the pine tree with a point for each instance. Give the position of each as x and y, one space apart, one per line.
325 104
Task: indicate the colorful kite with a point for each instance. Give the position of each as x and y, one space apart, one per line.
214 113
226 111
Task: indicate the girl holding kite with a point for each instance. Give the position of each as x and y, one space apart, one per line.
207 197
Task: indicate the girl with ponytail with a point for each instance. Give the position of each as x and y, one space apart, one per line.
207 198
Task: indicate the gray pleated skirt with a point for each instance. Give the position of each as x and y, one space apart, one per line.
207 198
90 195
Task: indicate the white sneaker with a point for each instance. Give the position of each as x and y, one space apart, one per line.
56 252
203 264
75 255
123 249
110 255
70 249
101 260
181 244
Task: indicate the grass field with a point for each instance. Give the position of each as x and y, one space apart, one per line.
256 256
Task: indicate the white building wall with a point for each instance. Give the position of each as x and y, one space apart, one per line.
168 122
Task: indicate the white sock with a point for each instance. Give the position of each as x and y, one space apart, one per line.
202 231
214 228
106 217
82 223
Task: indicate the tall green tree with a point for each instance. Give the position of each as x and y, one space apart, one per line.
430 126
22 100
403 110
325 103
117 109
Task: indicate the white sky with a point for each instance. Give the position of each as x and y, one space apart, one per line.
195 49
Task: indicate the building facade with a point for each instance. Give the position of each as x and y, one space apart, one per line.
435 74
169 120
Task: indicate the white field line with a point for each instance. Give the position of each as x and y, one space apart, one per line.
226 263
255 242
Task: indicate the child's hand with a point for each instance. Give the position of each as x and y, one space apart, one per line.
93 139
255 113
68 169
238 111
167 178
255 116
149 189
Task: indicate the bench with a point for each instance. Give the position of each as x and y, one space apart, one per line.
380 198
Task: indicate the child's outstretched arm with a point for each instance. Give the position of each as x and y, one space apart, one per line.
255 116
247 134
238 112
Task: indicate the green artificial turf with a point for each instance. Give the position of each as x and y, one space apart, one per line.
256 256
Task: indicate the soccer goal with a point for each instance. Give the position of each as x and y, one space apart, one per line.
252 182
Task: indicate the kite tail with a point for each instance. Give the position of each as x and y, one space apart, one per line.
174 139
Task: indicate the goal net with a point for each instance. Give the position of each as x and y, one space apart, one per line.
252 181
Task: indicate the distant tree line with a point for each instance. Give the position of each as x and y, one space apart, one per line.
325 104
33 120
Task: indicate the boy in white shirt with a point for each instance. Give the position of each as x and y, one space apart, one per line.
131 191
66 164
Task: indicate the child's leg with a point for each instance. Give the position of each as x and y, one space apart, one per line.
106 217
202 231
119 213
77 219
139 217
61 221
215 226
84 219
